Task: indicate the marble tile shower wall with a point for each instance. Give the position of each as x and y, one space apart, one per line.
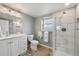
65 40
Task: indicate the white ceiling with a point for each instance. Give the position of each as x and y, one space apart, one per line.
38 9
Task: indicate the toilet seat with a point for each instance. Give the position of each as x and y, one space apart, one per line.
34 42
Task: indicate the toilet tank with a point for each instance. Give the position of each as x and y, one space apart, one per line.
30 37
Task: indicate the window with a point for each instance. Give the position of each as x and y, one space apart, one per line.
47 24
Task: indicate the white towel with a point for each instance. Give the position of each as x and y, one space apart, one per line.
40 34
46 36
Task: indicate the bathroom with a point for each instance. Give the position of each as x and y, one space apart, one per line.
52 28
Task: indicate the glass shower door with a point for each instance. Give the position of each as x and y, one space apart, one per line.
65 33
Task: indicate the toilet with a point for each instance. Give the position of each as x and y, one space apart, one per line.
33 43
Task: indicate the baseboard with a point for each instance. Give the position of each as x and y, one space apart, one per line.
46 46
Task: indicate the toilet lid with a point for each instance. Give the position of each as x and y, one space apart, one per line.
34 41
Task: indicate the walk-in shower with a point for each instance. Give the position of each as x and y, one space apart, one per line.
65 32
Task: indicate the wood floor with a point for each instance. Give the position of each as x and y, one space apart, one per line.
42 51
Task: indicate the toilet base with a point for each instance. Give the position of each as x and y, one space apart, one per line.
34 48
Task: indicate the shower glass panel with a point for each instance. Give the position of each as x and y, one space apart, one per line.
65 33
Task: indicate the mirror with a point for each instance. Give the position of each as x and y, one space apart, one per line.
4 27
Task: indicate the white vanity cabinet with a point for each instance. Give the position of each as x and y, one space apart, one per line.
13 46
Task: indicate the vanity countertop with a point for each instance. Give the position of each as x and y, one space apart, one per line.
12 36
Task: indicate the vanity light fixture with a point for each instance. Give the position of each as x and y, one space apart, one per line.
9 11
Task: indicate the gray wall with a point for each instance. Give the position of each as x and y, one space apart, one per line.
28 24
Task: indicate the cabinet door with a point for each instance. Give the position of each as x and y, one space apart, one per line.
14 47
22 44
21 47
9 47
3 48
18 45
